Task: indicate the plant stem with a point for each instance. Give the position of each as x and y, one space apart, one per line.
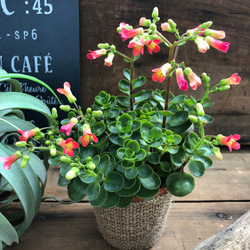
122 55
131 81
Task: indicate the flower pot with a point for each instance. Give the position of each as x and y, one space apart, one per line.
137 226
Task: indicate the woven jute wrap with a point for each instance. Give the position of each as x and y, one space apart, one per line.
138 226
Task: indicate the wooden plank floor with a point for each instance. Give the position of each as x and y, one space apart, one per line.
220 197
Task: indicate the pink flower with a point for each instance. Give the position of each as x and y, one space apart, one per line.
67 92
165 26
191 31
217 44
230 141
138 46
182 83
201 44
68 146
130 33
217 34
194 80
68 127
95 54
109 59
153 46
234 79
160 73
8 161
25 135
87 133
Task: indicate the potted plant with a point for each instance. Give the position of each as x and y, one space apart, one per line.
129 154
18 184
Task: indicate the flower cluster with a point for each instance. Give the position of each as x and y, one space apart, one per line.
132 145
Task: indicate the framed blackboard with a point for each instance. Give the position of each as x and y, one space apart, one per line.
41 38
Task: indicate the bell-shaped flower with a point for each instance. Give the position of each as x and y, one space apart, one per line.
8 161
153 46
68 127
87 134
67 92
202 45
25 135
216 34
234 79
130 33
182 83
191 31
217 44
95 54
109 59
230 141
68 146
160 73
137 45
194 80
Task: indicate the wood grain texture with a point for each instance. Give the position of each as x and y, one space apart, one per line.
98 22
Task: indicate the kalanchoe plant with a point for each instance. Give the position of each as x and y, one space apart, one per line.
132 145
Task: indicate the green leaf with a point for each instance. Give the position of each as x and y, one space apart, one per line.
153 158
180 184
123 101
126 73
103 164
73 194
126 192
147 194
113 182
93 191
80 186
178 158
130 173
139 82
23 101
99 201
98 128
111 200
152 182
144 95
62 181
124 123
124 86
125 201
196 168
204 159
178 118
145 171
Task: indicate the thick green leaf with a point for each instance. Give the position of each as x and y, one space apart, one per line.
93 191
80 186
145 171
196 168
139 82
144 95
153 158
147 194
111 200
152 182
126 192
123 101
180 184
131 173
99 201
73 194
204 159
126 73
178 118
125 201
113 182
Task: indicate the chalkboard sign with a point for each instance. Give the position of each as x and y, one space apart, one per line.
41 38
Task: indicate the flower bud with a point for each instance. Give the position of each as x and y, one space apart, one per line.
52 149
217 153
65 159
144 22
25 160
153 27
193 118
72 173
54 113
205 78
172 24
21 144
89 159
91 165
206 25
155 12
65 108
225 87
103 46
96 113
88 110
199 109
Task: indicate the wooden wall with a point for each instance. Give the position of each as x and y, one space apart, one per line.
98 22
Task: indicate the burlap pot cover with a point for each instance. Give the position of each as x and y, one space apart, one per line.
138 226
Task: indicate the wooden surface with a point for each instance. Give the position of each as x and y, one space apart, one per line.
220 198
98 22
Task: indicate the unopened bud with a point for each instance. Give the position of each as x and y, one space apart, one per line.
25 160
72 173
21 144
65 108
103 45
206 25
54 113
88 110
199 109
193 118
52 150
96 113
65 159
155 12
217 153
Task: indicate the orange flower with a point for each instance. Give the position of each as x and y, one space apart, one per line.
230 141
160 73
25 135
153 46
68 127
68 146
234 79
86 135
8 161
130 33
138 46
95 54
67 92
